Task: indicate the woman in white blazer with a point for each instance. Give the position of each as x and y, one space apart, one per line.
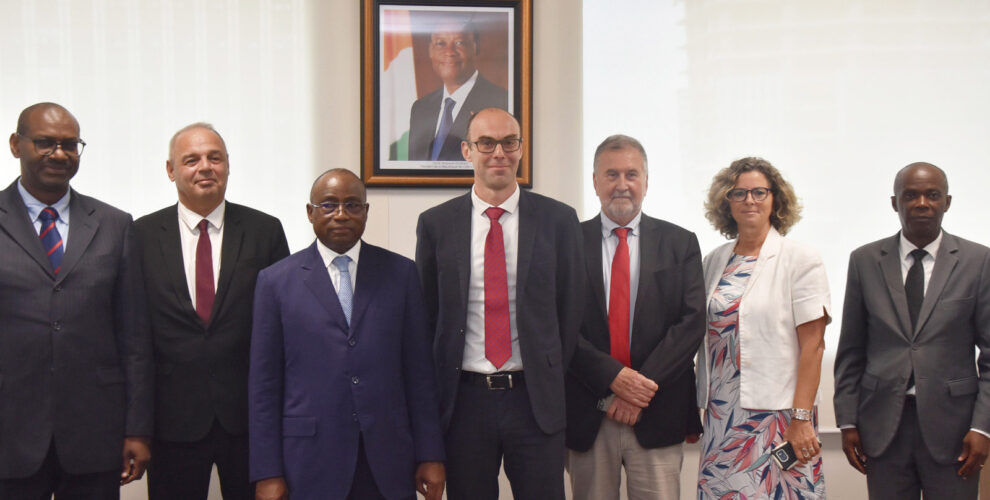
768 304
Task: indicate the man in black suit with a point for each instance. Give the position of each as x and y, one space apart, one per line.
503 281
438 121
200 287
75 354
644 318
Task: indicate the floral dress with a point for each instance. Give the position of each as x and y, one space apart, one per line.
735 448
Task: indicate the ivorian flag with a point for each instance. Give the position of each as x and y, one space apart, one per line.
398 84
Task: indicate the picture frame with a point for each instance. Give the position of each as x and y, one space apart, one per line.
426 67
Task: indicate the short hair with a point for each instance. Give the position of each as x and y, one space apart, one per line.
22 119
191 126
467 26
899 178
467 132
786 208
339 171
619 142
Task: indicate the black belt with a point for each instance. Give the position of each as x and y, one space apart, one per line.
499 381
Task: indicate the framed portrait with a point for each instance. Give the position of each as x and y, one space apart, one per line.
426 68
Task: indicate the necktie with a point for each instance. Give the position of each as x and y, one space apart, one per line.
914 285
618 299
51 241
345 293
444 130
498 338
205 291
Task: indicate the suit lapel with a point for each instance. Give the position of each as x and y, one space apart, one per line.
170 242
15 221
593 260
230 248
317 280
769 251
651 263
527 235
945 264
462 241
83 228
890 267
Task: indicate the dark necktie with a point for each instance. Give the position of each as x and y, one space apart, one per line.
914 286
51 241
618 299
204 273
445 123
498 337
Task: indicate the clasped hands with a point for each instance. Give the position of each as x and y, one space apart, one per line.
633 392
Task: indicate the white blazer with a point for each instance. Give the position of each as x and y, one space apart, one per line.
788 288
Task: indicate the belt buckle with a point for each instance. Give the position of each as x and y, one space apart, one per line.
493 387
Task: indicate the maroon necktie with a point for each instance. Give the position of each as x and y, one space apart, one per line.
498 339
618 299
204 273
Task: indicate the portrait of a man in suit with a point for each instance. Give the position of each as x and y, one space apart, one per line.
76 364
912 402
342 390
201 258
503 281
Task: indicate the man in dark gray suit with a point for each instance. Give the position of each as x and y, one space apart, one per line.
503 282
75 354
913 408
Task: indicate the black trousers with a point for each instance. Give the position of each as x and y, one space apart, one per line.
488 425
52 479
363 485
182 470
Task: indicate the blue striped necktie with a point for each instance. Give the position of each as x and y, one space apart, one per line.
50 239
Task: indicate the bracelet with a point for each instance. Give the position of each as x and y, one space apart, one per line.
800 414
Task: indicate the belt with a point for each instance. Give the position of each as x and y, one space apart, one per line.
499 381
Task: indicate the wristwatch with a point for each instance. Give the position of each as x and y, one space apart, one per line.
800 414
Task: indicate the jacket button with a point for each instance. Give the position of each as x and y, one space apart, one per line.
57 326
58 288
351 342
355 380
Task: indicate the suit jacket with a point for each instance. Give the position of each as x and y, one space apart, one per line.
668 326
202 369
426 111
316 384
75 353
549 292
878 350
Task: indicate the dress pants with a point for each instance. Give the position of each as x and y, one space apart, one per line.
488 425
363 485
52 479
182 470
651 474
906 468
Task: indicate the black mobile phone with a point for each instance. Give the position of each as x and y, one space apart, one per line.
784 455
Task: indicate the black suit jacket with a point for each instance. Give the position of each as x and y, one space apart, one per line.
75 354
202 370
668 327
426 111
549 284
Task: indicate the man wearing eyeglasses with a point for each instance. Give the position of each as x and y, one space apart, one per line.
75 353
438 121
503 279
201 258
342 391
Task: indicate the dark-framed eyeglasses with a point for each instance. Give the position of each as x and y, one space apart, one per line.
487 145
331 207
46 146
740 194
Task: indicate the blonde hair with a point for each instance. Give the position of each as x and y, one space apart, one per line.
786 208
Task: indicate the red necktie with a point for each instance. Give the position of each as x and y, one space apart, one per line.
498 338
618 299
204 273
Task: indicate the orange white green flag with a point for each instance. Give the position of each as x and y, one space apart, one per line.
397 84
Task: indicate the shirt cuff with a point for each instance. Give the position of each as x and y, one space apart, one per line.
980 432
847 426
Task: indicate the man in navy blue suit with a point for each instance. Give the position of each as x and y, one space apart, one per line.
342 397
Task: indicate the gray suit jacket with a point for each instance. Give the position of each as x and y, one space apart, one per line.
878 350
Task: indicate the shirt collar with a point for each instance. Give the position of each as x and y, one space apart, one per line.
328 255
34 206
608 225
932 248
462 92
191 219
510 205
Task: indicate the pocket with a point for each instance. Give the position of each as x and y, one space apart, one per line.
963 386
298 426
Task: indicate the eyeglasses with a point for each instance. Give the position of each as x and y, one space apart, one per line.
45 147
331 207
487 145
740 194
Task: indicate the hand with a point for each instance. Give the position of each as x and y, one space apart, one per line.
633 387
854 449
692 438
801 435
624 412
430 478
974 453
273 488
136 455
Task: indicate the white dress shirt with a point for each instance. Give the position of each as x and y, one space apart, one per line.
459 96
34 208
328 256
927 263
474 338
610 241
189 239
